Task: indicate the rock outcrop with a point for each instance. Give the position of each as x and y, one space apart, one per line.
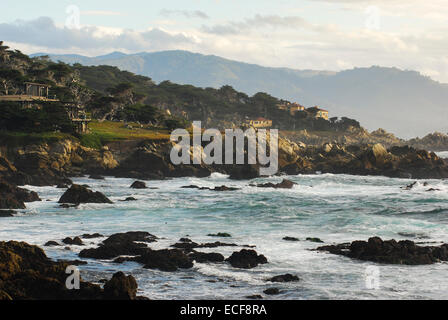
284 278
246 259
138 185
285 184
390 252
129 243
12 197
52 164
80 194
27 274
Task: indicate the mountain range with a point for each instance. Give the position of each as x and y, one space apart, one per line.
406 103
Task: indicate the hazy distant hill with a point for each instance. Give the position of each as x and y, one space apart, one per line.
403 102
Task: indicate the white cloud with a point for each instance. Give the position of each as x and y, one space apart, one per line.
101 13
43 32
186 13
271 40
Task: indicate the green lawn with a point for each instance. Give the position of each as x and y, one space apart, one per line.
109 131
100 134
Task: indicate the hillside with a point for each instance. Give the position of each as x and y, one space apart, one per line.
403 102
107 93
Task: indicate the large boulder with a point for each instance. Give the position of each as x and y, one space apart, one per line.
244 172
246 259
390 252
27 274
129 243
284 278
80 194
121 287
12 197
138 185
285 184
168 260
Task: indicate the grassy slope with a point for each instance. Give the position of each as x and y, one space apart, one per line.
100 134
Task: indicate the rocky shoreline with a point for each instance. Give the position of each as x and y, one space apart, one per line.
54 164
26 273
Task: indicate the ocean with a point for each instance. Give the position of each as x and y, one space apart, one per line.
334 208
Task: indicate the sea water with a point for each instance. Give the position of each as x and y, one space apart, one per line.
334 208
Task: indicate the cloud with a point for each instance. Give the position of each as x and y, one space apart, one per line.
101 13
43 32
186 13
270 40
258 21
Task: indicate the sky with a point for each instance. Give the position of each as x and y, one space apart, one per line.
301 34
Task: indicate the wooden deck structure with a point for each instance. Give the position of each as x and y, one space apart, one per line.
37 93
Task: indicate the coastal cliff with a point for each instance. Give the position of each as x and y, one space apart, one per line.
54 163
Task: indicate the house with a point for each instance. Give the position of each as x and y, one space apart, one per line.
259 123
317 113
295 107
292 108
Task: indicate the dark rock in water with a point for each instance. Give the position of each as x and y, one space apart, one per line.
217 244
111 251
272 291
410 186
285 184
284 278
221 188
27 274
74 262
138 185
121 287
244 172
96 177
128 199
7 213
51 244
291 239
91 236
62 186
12 197
186 245
255 297
317 240
168 260
75 241
120 244
141 236
390 252
79 194
220 235
224 188
246 259
432 189
202 257
413 235
68 206
190 187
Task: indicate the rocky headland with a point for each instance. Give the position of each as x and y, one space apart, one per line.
50 164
